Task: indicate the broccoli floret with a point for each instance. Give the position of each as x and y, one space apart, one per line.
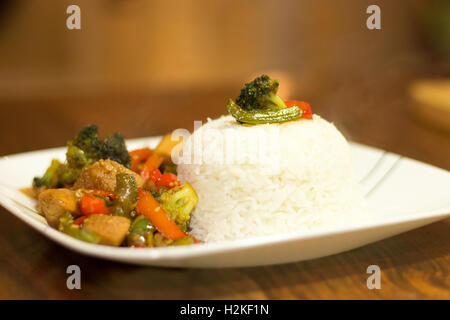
260 94
116 150
85 149
113 148
87 140
178 203
50 177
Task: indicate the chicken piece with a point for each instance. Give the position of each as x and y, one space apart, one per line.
102 176
111 229
55 202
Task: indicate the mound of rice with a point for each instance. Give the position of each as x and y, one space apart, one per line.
269 179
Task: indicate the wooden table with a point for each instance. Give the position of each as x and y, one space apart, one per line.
414 264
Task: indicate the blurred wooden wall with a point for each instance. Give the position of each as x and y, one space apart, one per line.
136 45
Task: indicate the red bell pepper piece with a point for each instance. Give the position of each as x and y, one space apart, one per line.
92 205
306 108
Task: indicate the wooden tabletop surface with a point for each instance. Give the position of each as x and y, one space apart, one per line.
413 265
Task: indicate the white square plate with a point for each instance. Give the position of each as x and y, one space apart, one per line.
402 193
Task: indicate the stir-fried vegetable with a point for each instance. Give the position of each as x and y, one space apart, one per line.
259 103
67 226
141 232
260 94
126 194
149 207
263 116
167 180
138 157
91 204
152 163
306 108
178 202
94 197
112 148
50 177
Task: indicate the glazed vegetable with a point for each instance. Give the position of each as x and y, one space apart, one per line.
258 103
149 207
153 162
306 108
167 180
79 221
50 177
91 204
94 197
183 241
126 194
263 116
138 157
67 226
179 202
155 175
141 232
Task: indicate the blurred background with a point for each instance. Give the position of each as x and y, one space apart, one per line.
147 67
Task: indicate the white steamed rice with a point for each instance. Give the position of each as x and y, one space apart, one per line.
269 179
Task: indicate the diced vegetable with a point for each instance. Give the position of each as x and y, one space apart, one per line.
167 180
153 162
138 157
306 108
155 174
141 232
148 206
90 204
126 194
179 202
79 221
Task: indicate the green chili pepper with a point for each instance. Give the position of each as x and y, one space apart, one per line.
127 194
269 115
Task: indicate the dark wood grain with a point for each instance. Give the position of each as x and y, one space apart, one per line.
415 265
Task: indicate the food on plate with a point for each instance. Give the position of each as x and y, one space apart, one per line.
292 172
104 194
270 167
